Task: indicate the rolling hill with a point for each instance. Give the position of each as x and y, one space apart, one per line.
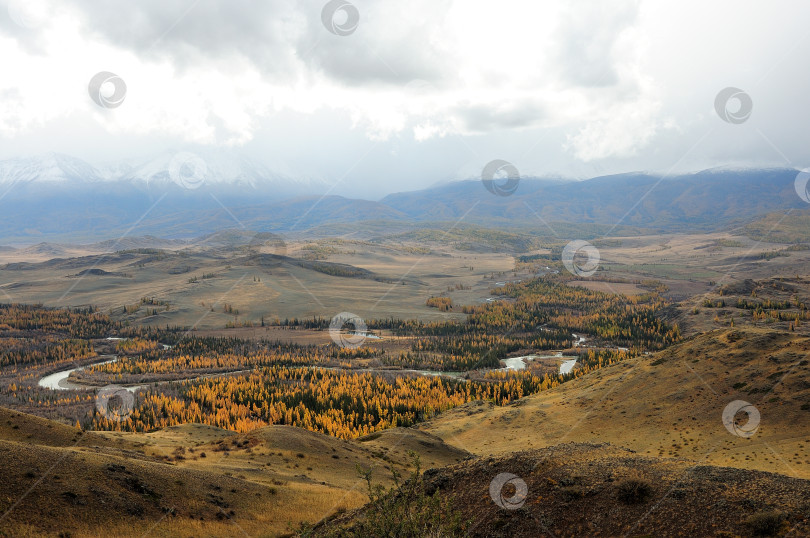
581 489
188 480
669 404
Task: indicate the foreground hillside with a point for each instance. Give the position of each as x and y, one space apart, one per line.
195 480
670 404
594 490
190 480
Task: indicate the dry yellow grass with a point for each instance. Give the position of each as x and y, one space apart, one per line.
191 479
277 290
25 428
667 404
608 287
596 489
284 453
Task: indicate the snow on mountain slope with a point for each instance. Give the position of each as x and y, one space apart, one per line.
51 167
214 168
193 170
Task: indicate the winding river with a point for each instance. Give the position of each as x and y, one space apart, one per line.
60 380
566 367
519 363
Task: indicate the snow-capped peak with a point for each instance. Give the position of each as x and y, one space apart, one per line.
51 167
214 168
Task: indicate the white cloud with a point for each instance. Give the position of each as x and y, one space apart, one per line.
622 133
216 70
606 77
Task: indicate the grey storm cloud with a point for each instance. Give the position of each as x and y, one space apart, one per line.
512 115
262 31
277 37
608 84
586 41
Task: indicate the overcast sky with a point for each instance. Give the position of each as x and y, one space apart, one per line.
416 92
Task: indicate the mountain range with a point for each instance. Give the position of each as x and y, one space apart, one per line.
181 195
216 168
